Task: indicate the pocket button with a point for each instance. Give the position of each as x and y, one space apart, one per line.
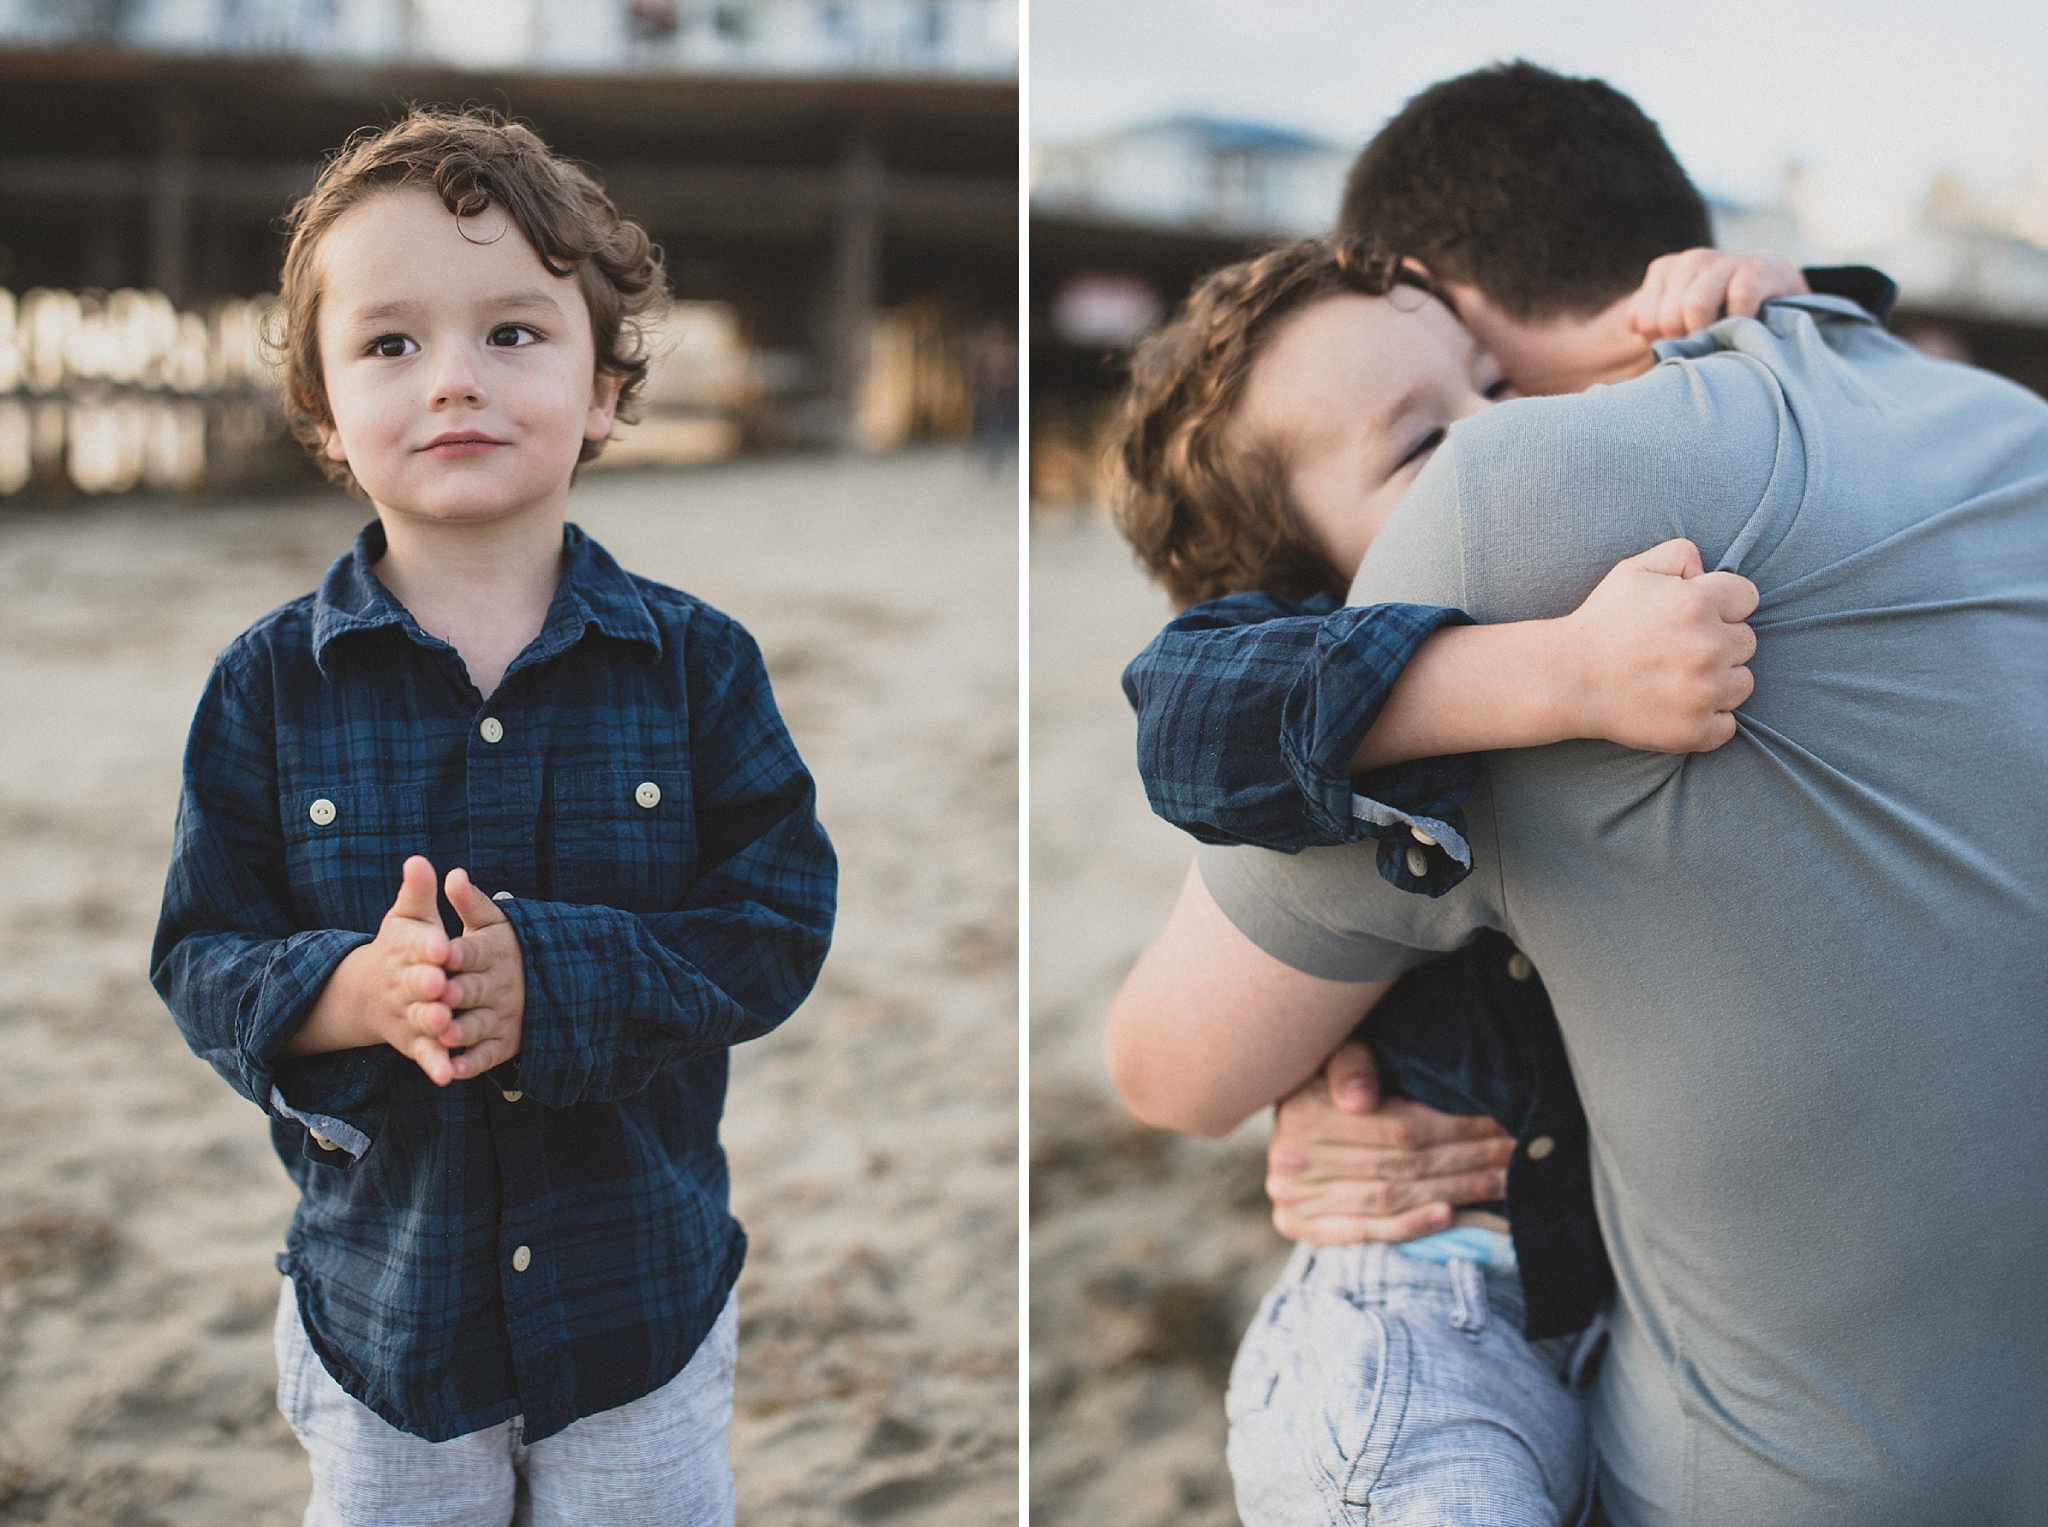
321 811
648 795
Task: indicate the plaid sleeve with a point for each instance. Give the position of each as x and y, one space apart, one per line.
611 995
1249 710
235 972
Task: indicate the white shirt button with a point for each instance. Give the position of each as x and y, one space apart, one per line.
321 811
648 795
1540 1147
491 729
522 1259
513 1097
1520 966
1422 837
502 896
1418 863
322 1141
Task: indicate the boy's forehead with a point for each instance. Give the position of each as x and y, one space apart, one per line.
403 243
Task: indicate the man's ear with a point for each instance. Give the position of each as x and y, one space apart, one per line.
604 403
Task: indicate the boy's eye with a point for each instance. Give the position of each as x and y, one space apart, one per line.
1423 447
392 346
1498 390
512 334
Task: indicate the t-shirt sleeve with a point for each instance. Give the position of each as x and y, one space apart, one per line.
1521 512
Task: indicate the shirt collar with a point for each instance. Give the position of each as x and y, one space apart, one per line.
594 592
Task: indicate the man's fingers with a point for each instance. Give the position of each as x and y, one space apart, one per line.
471 905
1354 1081
1350 1229
1328 1162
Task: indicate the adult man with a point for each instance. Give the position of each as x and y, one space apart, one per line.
1798 977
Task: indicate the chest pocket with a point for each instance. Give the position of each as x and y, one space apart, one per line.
344 845
621 838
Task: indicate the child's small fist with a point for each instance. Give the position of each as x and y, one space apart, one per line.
1687 291
1662 648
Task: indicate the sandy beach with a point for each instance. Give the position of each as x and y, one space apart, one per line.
873 1138
1148 1251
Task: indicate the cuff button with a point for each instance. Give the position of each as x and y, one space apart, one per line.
1418 862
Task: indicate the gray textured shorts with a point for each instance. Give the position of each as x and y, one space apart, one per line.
662 1461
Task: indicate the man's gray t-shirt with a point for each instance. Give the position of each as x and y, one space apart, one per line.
1803 979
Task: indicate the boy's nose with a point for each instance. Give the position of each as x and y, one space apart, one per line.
456 383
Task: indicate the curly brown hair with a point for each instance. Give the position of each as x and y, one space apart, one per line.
1208 516
472 160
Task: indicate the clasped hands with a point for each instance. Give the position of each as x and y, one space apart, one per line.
454 1007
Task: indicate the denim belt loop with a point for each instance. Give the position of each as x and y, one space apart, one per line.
1468 1294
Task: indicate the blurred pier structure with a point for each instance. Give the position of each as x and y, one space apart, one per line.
833 182
1123 223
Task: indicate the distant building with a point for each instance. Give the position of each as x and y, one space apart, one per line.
1193 172
788 37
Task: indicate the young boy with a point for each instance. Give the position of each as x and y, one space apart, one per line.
510 1274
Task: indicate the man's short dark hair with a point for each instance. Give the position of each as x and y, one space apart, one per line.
1550 194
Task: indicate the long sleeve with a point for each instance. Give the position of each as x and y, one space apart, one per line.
229 962
1249 710
612 995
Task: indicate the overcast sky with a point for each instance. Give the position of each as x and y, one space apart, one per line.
1873 96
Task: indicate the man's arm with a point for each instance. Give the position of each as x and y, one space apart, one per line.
1207 1028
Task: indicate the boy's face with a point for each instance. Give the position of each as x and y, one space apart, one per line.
1357 392
461 375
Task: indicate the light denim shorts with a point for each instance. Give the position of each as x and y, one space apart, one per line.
664 1460
1376 1388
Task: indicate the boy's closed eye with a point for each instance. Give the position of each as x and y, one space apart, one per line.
1421 450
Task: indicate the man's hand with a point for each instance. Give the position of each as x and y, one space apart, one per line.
1684 292
1655 658
1345 1167
486 989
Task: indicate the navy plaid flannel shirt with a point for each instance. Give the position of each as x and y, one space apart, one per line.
1249 710
551 1240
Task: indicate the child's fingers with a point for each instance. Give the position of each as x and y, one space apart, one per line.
432 1058
1677 558
1734 596
482 1056
415 900
430 1019
471 905
424 983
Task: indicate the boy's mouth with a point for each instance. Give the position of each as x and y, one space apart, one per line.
461 442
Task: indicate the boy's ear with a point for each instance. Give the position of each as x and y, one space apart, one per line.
604 402
330 444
